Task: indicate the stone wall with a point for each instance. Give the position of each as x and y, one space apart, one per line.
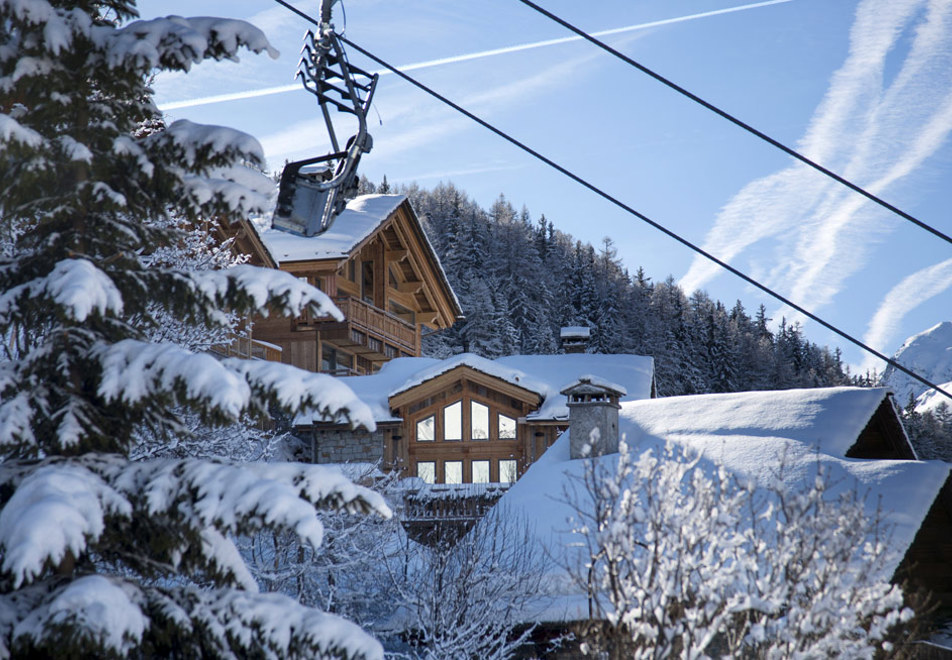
347 447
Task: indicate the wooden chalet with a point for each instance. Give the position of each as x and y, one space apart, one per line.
467 419
377 265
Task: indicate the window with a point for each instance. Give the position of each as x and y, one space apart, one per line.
453 421
345 361
453 472
426 470
507 470
425 429
480 472
367 281
507 428
328 359
480 421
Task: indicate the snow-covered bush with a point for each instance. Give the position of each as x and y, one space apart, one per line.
684 560
464 598
101 556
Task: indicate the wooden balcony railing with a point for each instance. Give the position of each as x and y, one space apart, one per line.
364 317
246 347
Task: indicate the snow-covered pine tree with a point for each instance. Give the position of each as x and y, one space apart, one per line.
101 556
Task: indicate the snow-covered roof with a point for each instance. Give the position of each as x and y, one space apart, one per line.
361 217
477 363
749 434
545 375
579 331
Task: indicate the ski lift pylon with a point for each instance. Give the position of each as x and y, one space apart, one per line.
312 192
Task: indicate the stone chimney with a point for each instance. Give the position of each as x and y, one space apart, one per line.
575 338
593 416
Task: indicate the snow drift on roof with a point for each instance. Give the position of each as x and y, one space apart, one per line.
355 223
748 433
575 331
489 367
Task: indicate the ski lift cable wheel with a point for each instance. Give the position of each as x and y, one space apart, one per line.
313 191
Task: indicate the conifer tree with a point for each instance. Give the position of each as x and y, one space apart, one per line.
101 556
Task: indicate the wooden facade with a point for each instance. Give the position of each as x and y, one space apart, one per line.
465 426
390 288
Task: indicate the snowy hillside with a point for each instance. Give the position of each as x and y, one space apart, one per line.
929 354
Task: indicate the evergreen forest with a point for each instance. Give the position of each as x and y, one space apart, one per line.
519 280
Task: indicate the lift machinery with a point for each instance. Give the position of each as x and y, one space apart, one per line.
312 192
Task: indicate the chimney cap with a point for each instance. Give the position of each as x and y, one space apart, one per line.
575 332
591 384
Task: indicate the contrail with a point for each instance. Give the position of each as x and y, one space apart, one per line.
267 91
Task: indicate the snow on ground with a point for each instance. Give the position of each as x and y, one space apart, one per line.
931 400
929 354
750 434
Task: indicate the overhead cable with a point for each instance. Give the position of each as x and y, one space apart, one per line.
734 120
641 216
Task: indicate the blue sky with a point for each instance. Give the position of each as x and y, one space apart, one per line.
863 87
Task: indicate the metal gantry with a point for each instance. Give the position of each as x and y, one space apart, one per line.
312 192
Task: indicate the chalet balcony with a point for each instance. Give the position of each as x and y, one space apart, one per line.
370 331
248 348
436 512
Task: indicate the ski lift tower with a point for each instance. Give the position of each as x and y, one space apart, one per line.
313 192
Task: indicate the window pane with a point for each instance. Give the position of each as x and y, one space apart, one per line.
507 428
480 472
426 470
453 421
507 470
424 429
453 472
480 422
